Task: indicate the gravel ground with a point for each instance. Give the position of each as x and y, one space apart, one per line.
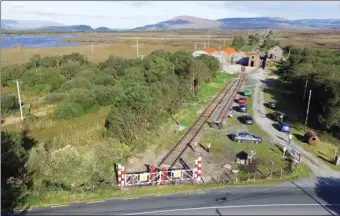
317 166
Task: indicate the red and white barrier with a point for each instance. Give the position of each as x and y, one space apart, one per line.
199 169
163 175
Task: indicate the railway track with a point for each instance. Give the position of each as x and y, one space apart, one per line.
178 150
221 116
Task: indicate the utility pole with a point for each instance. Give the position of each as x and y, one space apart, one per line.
304 93
310 94
205 45
195 46
137 47
223 42
92 48
22 117
18 47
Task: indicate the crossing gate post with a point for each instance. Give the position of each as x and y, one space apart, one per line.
195 170
121 178
199 169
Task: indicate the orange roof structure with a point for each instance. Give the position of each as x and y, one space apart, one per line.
209 50
228 50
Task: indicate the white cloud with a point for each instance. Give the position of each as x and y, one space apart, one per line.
124 14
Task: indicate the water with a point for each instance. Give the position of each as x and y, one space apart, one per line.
36 41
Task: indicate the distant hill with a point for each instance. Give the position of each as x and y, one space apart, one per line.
67 28
182 22
102 29
189 22
9 24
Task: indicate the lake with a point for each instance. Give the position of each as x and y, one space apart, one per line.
36 41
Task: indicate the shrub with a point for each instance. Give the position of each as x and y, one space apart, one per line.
9 102
105 95
67 111
78 82
84 97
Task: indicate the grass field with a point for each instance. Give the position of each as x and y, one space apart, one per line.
172 41
325 150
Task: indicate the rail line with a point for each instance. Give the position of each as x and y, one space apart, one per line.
228 104
178 150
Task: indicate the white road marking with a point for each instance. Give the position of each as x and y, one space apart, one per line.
225 207
98 201
58 206
130 198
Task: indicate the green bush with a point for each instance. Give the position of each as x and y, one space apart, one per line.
84 97
105 95
9 102
67 111
79 82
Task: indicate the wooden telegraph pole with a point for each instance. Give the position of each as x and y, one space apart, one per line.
307 111
22 117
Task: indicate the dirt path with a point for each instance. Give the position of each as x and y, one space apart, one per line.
317 166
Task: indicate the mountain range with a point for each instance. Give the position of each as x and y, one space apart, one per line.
183 22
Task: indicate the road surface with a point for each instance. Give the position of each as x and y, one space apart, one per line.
303 197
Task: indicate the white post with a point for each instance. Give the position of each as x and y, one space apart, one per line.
92 48
142 56
284 150
137 48
22 117
310 94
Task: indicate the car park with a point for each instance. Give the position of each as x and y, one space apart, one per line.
248 119
243 108
246 137
284 127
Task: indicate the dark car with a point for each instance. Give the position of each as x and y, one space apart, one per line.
278 116
245 136
248 119
243 108
272 104
284 127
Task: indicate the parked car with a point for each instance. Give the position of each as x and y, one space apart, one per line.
284 127
242 100
278 116
272 104
245 136
248 119
243 108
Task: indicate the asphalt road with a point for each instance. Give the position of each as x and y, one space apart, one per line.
294 198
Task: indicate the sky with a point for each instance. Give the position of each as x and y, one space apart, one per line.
131 14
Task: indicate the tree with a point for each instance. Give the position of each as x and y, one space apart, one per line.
163 54
182 61
157 69
238 42
253 39
9 102
199 72
15 177
269 43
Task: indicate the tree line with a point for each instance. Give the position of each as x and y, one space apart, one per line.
321 67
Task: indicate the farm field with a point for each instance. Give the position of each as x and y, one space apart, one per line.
121 43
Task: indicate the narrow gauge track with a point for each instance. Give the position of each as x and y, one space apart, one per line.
223 104
178 150
221 116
